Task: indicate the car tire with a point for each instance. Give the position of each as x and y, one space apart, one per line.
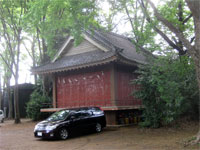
63 134
2 120
98 127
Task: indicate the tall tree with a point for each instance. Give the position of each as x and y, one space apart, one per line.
6 75
53 20
192 49
177 22
11 14
32 51
147 31
177 14
141 31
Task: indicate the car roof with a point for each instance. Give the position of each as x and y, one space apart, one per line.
81 108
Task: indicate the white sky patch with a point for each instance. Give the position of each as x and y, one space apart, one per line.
24 72
24 66
123 26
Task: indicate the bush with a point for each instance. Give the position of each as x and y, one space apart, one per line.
37 102
168 90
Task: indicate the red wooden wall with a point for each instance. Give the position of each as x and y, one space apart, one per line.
124 89
84 89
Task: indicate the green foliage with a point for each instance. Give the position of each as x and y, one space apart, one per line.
37 102
146 30
59 18
168 90
142 32
176 12
10 30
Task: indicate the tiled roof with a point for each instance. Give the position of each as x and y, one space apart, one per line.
75 61
119 46
116 41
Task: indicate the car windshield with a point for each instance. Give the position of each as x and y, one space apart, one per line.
60 115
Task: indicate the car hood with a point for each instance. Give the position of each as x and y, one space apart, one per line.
49 123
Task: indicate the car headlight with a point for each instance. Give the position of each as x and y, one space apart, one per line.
50 127
36 127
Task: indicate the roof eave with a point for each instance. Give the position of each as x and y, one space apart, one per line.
87 65
128 61
115 58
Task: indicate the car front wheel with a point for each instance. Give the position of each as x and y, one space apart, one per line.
98 127
63 134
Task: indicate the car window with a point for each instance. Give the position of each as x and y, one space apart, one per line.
86 113
75 115
81 114
60 115
1 112
97 111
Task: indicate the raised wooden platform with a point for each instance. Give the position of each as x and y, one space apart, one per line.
110 108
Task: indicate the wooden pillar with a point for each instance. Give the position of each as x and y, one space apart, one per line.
113 86
54 91
111 117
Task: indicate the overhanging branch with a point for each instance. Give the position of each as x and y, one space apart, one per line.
186 19
8 66
172 28
162 34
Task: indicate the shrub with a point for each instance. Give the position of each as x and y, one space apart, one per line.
168 90
37 102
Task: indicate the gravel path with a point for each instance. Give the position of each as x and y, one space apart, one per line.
20 137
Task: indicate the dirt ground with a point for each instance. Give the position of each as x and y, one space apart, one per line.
20 137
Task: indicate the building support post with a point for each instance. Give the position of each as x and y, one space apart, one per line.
54 91
111 116
113 82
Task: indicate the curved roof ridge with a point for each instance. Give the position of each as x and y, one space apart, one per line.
97 37
118 35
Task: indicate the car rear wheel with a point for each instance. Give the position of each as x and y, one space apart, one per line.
63 134
98 127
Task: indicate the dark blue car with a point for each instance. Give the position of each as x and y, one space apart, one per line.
62 123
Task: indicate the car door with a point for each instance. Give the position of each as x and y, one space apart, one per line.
86 119
76 121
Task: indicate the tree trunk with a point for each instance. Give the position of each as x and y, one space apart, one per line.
34 63
197 67
16 90
16 100
46 78
47 85
10 102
